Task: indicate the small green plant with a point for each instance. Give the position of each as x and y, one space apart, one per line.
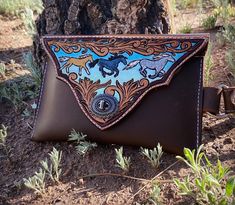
53 169
220 39
208 184
122 161
229 34
82 146
2 69
154 155
13 92
224 10
208 66
35 73
28 18
187 28
3 135
15 7
182 4
209 22
37 182
155 192
20 90
230 59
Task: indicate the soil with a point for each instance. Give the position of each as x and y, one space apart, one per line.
24 155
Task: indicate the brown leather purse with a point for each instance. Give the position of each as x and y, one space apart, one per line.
123 89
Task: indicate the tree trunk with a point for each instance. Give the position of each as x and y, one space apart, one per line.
73 17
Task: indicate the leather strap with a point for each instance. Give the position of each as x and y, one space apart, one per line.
212 98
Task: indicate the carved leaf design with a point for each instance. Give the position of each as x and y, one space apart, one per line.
143 46
87 87
127 91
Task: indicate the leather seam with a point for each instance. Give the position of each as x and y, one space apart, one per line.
165 36
40 99
198 102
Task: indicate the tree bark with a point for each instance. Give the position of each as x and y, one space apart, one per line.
73 17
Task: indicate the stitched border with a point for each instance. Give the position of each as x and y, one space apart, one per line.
198 102
205 38
131 36
40 98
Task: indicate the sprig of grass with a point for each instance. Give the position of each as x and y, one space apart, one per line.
13 92
82 145
28 19
3 135
36 182
55 157
15 7
230 59
182 4
53 168
35 72
209 22
155 192
187 28
208 66
122 161
154 155
208 184
2 69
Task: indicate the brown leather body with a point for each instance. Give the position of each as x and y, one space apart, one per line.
170 115
229 99
211 100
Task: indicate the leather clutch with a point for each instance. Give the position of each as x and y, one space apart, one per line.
123 89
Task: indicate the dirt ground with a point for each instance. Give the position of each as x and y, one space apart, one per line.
25 155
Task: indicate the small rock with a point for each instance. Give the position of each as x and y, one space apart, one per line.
228 141
81 181
88 194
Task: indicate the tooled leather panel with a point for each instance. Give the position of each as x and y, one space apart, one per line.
109 75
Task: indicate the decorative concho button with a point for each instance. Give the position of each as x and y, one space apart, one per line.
104 105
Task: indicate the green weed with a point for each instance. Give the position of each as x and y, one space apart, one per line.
2 70
37 182
208 66
15 7
209 22
53 169
154 155
82 145
208 184
230 59
182 4
229 34
28 18
14 93
224 10
19 91
35 72
155 192
122 161
3 135
187 28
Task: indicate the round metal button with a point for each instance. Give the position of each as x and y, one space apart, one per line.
104 105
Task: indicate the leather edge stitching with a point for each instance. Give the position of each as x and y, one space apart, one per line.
198 102
40 99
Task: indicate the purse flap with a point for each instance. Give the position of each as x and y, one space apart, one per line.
109 75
